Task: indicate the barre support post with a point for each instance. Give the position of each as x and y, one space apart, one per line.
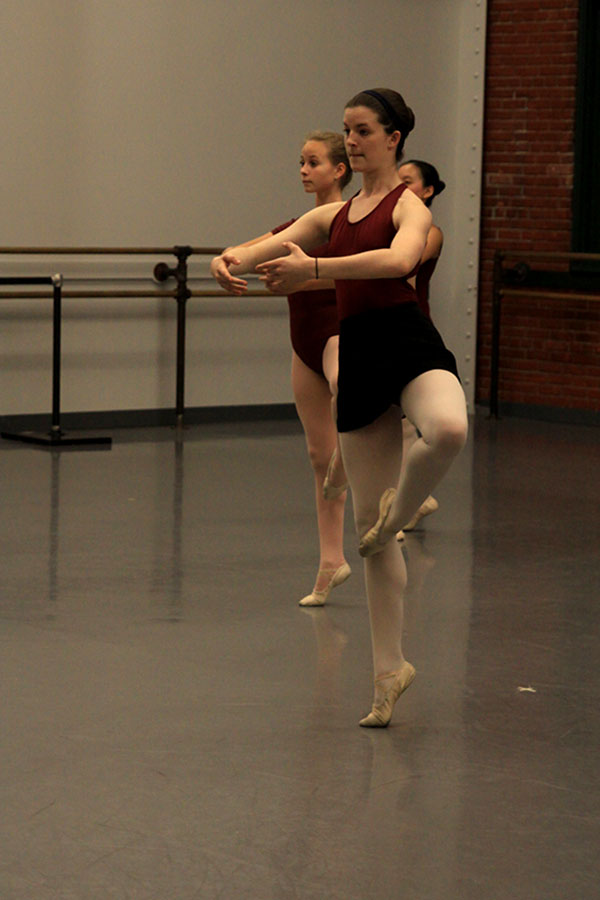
55 437
57 280
162 271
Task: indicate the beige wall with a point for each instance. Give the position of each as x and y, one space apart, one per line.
143 122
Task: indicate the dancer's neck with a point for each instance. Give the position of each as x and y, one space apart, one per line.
379 183
333 195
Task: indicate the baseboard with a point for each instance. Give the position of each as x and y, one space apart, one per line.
141 418
262 412
545 413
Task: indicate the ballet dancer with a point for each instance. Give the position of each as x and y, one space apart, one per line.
423 179
325 171
392 360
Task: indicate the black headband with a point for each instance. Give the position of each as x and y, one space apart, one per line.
391 113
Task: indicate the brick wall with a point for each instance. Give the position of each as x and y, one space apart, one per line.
550 350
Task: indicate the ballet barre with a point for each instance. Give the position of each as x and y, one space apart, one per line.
521 279
161 273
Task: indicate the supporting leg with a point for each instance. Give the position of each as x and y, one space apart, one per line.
311 393
372 457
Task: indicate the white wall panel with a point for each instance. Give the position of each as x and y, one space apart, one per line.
146 122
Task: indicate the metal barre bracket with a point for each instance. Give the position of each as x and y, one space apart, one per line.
517 274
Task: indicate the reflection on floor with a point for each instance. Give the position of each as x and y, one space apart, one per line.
174 726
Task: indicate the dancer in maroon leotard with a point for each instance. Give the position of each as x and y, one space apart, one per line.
423 180
392 360
314 329
313 319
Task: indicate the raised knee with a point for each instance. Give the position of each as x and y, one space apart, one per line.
448 436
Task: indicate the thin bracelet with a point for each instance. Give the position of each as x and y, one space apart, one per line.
316 267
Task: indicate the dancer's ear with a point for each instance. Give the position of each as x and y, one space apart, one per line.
394 139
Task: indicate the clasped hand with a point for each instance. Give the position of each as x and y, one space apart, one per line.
282 275
219 269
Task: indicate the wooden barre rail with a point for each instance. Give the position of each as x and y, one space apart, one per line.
109 251
33 295
540 255
546 295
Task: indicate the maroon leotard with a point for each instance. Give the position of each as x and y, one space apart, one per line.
386 341
372 232
313 317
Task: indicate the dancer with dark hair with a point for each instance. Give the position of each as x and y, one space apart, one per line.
423 179
325 171
392 360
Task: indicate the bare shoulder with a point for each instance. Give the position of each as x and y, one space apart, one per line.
433 245
410 208
435 239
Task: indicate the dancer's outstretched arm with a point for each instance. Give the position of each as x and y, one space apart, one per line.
307 232
412 220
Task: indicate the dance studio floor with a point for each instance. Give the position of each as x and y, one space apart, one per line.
174 726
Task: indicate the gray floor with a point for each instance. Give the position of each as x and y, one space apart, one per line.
174 726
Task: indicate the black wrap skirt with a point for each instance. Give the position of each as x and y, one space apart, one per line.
381 351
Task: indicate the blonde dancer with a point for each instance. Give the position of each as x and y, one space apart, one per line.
324 171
